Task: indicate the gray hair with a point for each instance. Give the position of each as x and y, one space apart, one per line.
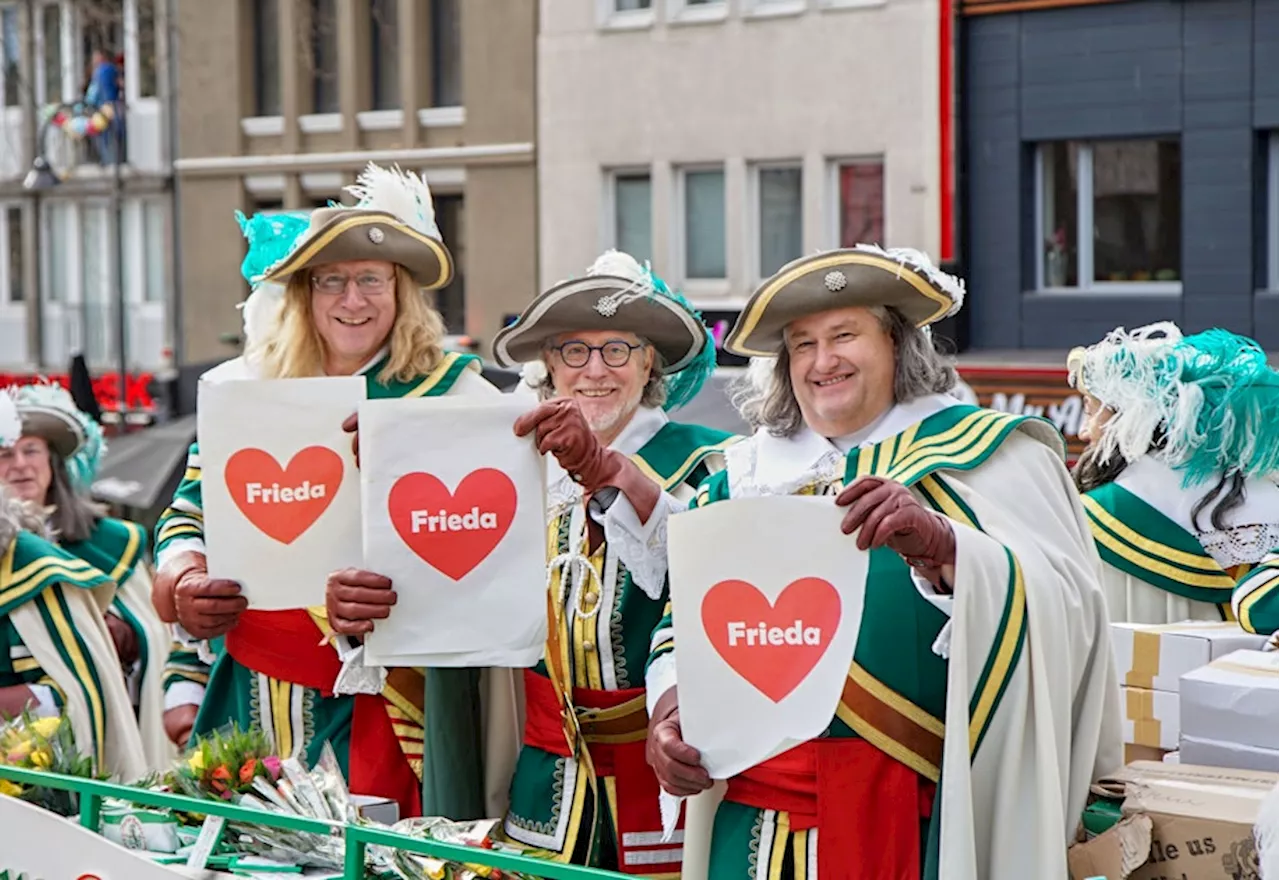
72 517
765 398
17 516
655 388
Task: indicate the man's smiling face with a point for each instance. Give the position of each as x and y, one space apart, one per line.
842 369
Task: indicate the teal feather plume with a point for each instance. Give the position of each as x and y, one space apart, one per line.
682 387
271 238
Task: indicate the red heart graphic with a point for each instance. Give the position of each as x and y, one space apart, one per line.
314 474
453 533
796 631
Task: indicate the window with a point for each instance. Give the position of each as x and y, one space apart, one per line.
57 247
632 5
779 217
10 55
385 54
1273 213
451 301
1110 213
266 58
155 247
12 276
704 224
446 53
860 203
96 286
51 53
146 24
633 214
324 56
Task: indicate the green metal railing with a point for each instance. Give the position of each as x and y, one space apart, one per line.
355 837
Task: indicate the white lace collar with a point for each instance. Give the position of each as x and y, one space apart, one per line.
780 465
643 426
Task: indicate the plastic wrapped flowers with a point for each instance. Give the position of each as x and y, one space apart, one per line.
43 744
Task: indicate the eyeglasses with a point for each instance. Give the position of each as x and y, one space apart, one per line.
614 353
368 283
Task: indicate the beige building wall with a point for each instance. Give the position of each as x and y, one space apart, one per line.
478 156
733 83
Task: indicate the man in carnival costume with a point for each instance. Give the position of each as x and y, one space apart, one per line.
980 702
607 352
338 293
1179 478
56 654
52 466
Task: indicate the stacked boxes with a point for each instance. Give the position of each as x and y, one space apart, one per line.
1230 712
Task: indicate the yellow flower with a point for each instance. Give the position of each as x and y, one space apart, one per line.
46 727
196 761
42 758
18 753
12 789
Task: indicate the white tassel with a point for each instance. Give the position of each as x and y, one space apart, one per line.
402 194
261 313
1266 832
534 373
919 261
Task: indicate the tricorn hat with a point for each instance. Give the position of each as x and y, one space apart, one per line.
864 275
394 220
617 293
48 411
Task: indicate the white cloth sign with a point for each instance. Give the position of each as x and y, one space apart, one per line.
280 486
454 517
765 636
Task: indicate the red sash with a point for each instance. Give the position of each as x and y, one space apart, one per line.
286 646
866 806
615 742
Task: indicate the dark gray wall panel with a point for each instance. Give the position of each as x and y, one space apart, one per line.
1266 320
1266 91
1066 321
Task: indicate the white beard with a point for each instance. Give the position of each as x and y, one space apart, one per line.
603 422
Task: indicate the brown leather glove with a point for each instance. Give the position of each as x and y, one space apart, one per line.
178 723
559 428
674 762
205 608
354 599
124 638
890 516
352 426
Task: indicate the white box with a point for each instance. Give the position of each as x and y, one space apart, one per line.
1211 753
1156 656
1151 718
1235 699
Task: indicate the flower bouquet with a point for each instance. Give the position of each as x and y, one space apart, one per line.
43 744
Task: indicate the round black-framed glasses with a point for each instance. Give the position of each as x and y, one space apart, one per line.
577 354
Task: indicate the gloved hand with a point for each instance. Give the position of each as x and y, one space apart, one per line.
674 762
352 426
354 599
178 723
123 637
890 516
559 428
206 608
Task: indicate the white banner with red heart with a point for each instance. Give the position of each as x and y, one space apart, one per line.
455 517
766 598
281 493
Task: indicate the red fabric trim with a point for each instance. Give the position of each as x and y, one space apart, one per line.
286 646
376 764
866 806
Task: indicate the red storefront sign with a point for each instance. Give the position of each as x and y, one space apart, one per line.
106 388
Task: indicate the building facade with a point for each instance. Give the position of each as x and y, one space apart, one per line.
720 139
1120 168
67 255
284 102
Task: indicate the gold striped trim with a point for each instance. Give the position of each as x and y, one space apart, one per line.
895 701
81 665
191 475
130 551
1000 670
433 378
1141 542
685 466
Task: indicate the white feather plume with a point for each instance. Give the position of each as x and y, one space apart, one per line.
1266 833
619 264
919 261
402 194
10 421
261 313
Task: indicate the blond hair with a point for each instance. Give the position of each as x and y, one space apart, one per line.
297 351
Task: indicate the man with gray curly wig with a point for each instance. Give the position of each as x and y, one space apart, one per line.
980 701
56 655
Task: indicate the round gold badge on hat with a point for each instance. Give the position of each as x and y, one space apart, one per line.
376 235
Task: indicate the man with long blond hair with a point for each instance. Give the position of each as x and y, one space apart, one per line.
341 297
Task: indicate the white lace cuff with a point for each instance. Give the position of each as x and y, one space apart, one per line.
183 693
187 640
659 678
642 548
354 677
176 546
1240 544
925 587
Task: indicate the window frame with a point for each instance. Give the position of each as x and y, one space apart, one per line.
1084 221
691 12
8 304
609 17
755 218
16 10
708 286
835 194
609 205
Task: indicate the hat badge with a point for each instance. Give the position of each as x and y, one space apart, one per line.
607 306
835 281
376 235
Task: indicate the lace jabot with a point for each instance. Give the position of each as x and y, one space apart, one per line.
1241 544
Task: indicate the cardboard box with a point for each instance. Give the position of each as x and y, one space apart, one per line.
1156 657
1151 718
1181 821
1144 753
1211 753
1234 699
376 808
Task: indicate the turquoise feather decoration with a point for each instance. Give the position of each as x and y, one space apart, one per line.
1226 416
271 237
684 386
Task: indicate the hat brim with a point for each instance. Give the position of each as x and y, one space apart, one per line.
369 235
800 289
59 430
676 334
